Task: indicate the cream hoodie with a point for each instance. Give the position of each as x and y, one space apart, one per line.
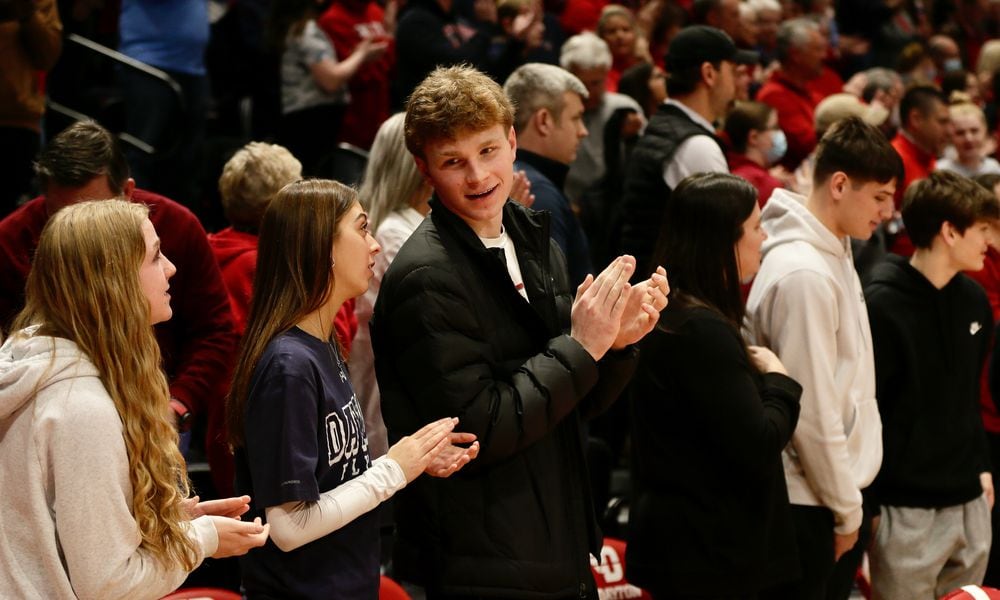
66 528
807 305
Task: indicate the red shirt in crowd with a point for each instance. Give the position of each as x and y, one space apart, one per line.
917 164
989 278
757 175
827 84
795 106
346 23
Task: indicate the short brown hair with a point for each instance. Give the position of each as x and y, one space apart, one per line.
79 153
250 180
452 100
744 118
945 196
860 151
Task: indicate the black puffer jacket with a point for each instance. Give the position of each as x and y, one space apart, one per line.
452 337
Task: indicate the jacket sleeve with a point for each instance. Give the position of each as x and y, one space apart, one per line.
433 361
85 455
800 316
204 335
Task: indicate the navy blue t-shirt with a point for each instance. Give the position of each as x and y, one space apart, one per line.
305 434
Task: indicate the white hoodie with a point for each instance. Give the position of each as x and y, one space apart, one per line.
807 305
66 528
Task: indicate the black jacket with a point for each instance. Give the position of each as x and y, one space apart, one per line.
930 346
646 196
452 337
710 515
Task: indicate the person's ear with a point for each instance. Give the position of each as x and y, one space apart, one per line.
838 184
949 233
543 121
128 188
708 73
422 167
512 140
753 138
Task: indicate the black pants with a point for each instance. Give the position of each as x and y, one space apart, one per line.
822 579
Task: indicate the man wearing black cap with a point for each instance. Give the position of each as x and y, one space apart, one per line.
680 138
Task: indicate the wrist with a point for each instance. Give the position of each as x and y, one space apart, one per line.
182 415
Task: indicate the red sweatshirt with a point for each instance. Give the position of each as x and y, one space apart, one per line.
757 175
346 23
989 278
795 107
917 164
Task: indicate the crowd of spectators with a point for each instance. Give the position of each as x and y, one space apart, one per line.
617 109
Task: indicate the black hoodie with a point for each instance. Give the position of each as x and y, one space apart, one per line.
930 345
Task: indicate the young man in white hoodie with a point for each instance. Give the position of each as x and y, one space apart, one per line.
807 305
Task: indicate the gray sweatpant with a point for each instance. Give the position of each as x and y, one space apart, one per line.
924 553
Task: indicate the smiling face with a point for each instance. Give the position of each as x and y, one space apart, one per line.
354 251
472 175
154 274
967 134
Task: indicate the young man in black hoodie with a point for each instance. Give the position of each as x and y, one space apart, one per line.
931 330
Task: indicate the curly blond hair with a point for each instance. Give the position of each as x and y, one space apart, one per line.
84 286
250 180
452 100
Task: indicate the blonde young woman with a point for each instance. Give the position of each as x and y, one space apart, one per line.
294 419
94 489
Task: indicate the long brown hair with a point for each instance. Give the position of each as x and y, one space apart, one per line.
294 275
84 287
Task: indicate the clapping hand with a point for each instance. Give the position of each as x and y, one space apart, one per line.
642 310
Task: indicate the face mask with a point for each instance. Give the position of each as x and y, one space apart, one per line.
952 64
779 145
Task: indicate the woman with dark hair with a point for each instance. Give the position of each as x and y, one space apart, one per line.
293 418
645 83
710 415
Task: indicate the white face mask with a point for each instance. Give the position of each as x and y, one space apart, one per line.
779 145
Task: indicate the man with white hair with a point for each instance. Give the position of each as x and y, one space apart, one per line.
801 49
588 58
548 120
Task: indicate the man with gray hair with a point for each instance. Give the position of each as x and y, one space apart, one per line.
801 49
548 120
588 58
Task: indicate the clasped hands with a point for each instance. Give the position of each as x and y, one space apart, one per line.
609 313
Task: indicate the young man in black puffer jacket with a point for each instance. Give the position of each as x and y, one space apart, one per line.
475 318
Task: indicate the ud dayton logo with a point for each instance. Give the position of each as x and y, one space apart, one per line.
610 574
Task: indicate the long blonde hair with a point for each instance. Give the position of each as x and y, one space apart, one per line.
392 181
84 287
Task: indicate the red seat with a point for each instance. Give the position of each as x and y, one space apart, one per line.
973 592
610 574
390 590
203 594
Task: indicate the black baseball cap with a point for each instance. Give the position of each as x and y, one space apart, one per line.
698 44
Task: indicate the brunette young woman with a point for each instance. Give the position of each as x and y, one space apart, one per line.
294 420
710 415
95 493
